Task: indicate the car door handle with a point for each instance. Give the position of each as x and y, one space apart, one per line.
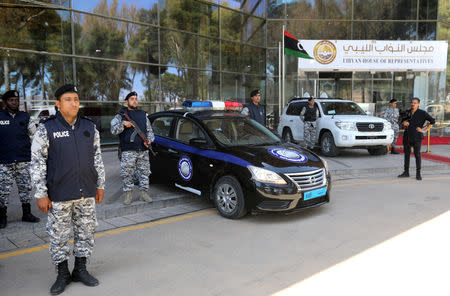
170 150
292 120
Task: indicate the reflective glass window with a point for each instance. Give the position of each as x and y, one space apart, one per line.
192 16
333 30
35 28
275 9
428 9
427 31
186 50
385 9
107 38
242 58
384 30
161 126
306 9
146 11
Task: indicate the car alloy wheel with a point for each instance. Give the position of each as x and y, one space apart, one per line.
229 198
226 198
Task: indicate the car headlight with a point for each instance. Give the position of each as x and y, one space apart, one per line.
346 125
265 176
387 126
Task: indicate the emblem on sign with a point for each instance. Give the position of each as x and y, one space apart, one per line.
185 168
288 155
325 52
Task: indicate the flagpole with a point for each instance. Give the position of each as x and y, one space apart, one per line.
279 80
283 90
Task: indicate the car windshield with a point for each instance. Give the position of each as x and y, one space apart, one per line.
341 108
238 131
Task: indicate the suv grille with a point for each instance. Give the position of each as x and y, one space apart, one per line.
309 180
369 126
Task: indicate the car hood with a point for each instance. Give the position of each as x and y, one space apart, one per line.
358 118
280 158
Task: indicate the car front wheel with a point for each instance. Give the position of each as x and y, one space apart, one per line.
327 145
229 198
287 135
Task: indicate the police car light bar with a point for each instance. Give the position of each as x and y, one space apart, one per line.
212 105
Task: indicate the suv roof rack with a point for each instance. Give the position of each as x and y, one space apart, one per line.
306 98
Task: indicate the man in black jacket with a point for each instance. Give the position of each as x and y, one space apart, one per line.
254 109
412 137
15 157
69 177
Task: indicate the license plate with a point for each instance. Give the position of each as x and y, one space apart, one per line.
314 193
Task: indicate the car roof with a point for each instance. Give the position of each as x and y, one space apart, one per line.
320 100
199 114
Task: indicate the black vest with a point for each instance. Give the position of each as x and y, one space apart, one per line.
129 138
311 113
15 144
256 112
70 164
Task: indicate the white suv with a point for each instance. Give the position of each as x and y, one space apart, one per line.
341 124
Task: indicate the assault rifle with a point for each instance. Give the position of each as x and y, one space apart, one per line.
138 130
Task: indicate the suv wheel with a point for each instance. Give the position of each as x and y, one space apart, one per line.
327 145
287 135
229 198
378 150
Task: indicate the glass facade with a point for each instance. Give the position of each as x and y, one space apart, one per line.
172 50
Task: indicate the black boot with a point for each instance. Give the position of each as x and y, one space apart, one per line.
3 217
27 216
393 151
405 174
80 274
62 280
418 176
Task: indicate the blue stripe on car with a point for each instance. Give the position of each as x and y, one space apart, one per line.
206 153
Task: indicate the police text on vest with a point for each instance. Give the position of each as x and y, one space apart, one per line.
63 134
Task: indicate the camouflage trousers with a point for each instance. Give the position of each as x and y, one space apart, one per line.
135 163
396 129
20 172
81 214
309 134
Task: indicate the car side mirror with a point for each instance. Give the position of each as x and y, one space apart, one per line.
368 112
198 142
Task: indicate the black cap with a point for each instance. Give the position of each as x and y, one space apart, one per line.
255 92
393 101
133 93
10 94
66 88
310 98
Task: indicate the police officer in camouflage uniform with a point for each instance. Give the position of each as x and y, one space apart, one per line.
254 109
391 114
15 157
134 151
69 177
309 115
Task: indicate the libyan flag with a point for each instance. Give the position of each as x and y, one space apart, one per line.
293 47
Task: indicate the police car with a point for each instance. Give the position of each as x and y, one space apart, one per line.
211 150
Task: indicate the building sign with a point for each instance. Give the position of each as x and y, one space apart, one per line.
374 55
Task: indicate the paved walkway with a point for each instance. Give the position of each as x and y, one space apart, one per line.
170 201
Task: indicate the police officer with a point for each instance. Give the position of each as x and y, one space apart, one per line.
391 114
134 151
15 157
309 115
254 109
412 137
69 177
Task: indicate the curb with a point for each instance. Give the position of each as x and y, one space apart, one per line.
392 170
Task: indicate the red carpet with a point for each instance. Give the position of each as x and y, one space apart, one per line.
434 140
430 156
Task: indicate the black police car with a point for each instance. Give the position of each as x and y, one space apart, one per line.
236 162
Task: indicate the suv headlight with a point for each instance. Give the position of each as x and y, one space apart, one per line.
387 126
346 125
265 176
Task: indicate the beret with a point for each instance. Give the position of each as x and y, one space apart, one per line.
254 92
310 98
133 93
393 101
66 88
10 94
